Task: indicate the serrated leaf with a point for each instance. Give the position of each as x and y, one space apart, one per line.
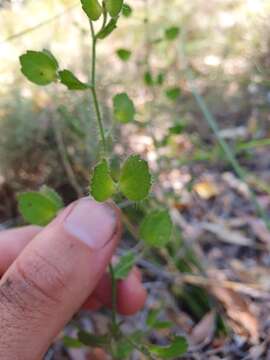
53 195
156 228
108 29
114 7
102 186
135 178
37 208
39 67
126 10
92 8
178 347
68 79
123 54
172 32
123 108
72 343
173 93
92 340
124 266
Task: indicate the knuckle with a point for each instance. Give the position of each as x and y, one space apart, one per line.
40 279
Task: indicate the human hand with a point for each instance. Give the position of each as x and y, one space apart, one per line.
50 273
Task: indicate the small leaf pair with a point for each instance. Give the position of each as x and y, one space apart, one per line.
93 9
42 68
135 180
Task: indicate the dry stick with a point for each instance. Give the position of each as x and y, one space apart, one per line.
212 123
65 160
39 25
208 283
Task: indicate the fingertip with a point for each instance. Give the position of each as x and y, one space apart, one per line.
92 304
131 295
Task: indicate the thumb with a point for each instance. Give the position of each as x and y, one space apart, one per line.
54 276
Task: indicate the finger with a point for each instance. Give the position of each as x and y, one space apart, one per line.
102 295
131 295
12 242
53 276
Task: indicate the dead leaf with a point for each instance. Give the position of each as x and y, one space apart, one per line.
260 230
203 332
206 189
243 319
225 234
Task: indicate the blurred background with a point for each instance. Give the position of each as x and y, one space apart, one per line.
186 65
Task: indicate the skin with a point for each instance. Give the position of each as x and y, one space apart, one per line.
40 291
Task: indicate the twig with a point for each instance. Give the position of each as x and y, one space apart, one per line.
253 290
39 25
212 123
65 160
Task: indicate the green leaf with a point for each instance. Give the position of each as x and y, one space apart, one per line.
49 53
92 340
124 266
135 178
37 208
177 128
156 228
148 78
123 347
72 343
160 325
160 78
123 54
102 186
71 81
152 317
126 10
171 33
39 67
178 347
123 108
173 93
52 195
92 8
114 7
108 29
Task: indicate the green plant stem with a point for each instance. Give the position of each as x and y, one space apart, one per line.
212 123
115 327
93 89
142 349
225 147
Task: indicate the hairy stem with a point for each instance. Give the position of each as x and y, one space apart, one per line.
114 300
93 89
